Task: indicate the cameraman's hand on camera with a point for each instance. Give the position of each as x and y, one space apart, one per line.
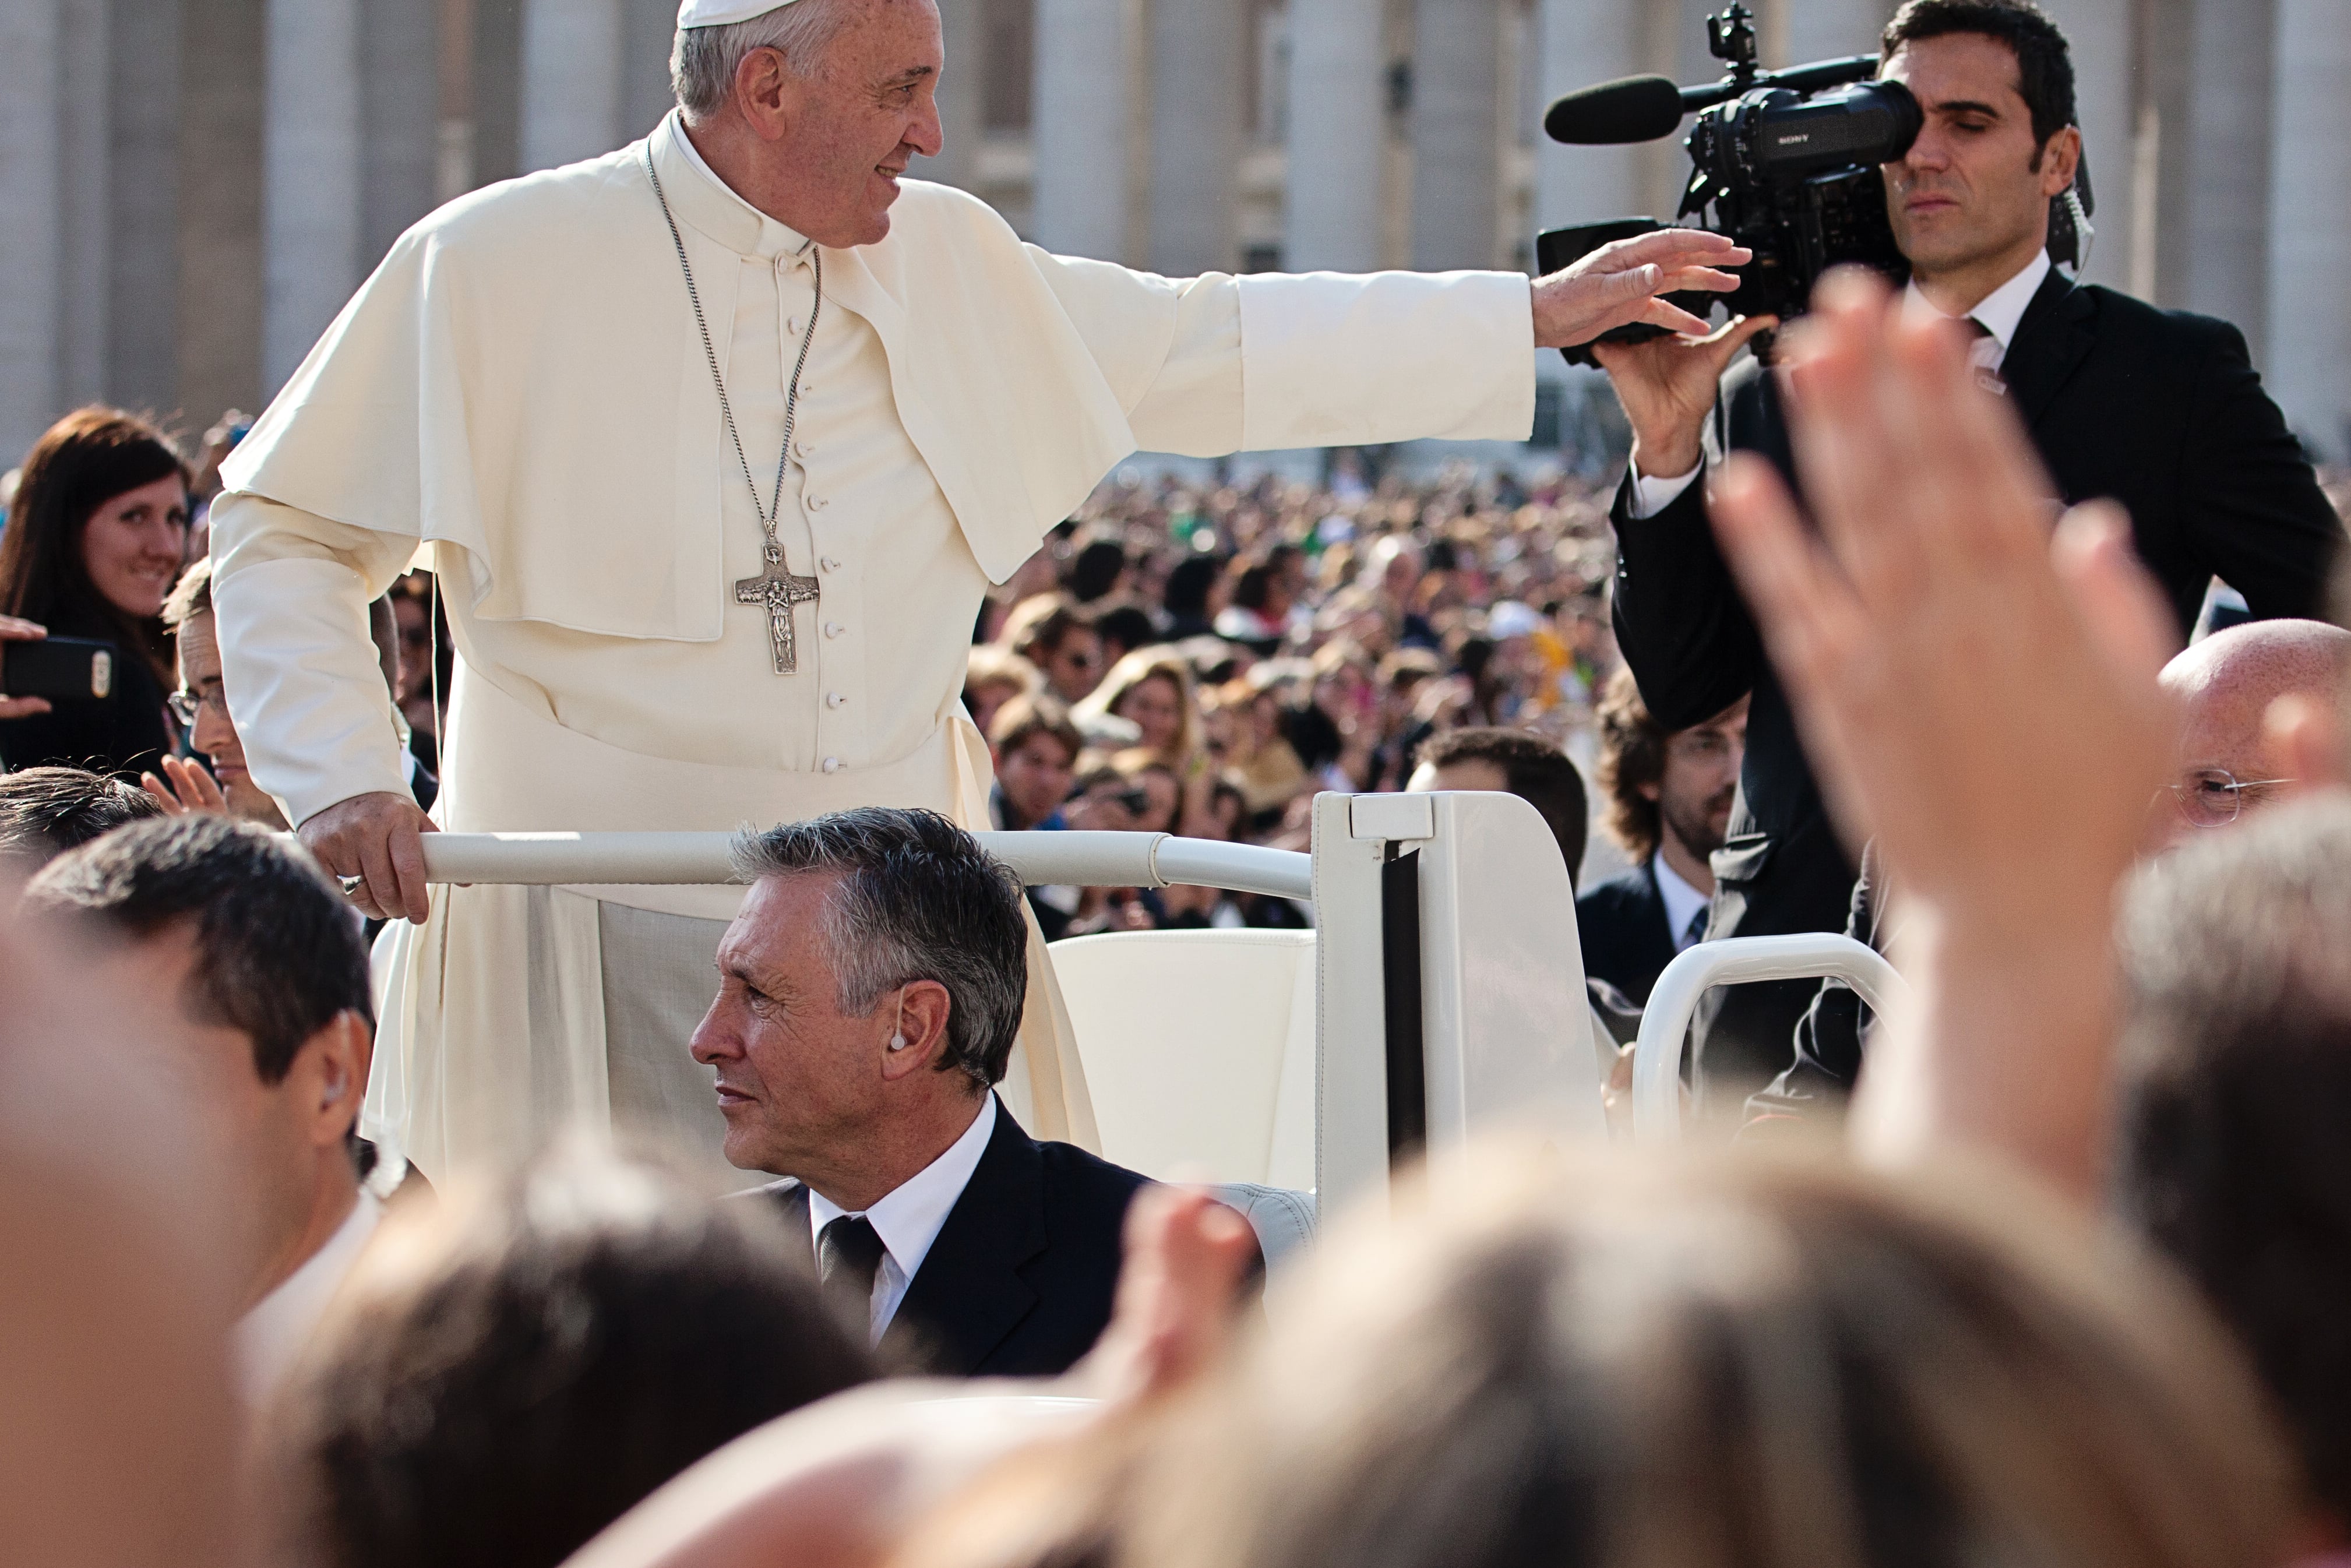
1618 284
376 839
1667 388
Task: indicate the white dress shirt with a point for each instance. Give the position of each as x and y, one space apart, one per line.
1684 902
1999 313
909 1217
267 1338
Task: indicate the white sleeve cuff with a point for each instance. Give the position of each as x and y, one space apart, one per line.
1651 496
304 688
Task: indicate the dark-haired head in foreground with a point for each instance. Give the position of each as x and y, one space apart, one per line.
513 1368
45 811
272 1034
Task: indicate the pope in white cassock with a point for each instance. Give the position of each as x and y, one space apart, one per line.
716 443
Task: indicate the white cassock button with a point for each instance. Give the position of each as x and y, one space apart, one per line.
834 699
792 326
829 564
832 765
805 448
816 502
834 628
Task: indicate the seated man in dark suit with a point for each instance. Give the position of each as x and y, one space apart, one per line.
1668 800
869 994
2161 410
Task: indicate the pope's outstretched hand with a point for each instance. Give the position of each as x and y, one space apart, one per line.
374 843
1620 284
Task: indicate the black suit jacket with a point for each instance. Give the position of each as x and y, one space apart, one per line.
2159 409
1627 940
1019 1281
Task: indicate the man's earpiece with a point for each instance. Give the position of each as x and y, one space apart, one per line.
898 1034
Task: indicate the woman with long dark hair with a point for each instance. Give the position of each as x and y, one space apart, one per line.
95 540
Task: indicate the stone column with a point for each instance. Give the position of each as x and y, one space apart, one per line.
1337 136
401 113
221 258
84 208
2102 36
1457 134
142 194
570 80
1082 121
1585 42
1197 110
2309 366
961 95
647 27
1824 29
2228 154
30 283
493 92
311 164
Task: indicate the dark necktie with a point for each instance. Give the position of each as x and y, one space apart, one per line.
848 1251
1696 931
1985 354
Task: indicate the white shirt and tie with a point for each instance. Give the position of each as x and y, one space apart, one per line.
1685 908
910 1218
1999 314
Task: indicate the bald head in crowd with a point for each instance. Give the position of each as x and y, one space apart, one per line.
2228 760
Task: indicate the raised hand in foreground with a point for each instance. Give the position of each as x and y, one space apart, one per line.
1982 704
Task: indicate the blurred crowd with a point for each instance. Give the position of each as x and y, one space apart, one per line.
1200 659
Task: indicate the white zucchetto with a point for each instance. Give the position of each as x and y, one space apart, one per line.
719 12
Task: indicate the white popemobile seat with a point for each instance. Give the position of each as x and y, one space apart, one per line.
1199 1050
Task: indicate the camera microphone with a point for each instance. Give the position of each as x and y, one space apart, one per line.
1644 109
1635 109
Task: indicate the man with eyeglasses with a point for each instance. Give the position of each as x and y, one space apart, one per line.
203 714
2229 769
2229 763
204 718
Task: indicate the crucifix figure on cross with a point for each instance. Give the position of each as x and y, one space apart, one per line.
781 592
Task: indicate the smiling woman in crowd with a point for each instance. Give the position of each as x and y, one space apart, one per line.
95 541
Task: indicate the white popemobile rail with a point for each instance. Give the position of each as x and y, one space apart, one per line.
1673 1001
1447 981
1103 860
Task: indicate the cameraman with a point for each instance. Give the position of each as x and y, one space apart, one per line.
2161 410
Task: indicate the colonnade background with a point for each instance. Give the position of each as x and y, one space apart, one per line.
190 189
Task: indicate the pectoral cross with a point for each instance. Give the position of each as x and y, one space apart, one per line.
780 591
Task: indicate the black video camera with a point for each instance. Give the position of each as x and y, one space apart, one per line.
1784 162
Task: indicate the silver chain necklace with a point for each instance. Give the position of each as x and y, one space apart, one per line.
775 588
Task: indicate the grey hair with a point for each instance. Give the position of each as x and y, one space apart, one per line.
702 61
916 899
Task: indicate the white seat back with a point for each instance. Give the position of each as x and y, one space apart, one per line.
1198 1048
